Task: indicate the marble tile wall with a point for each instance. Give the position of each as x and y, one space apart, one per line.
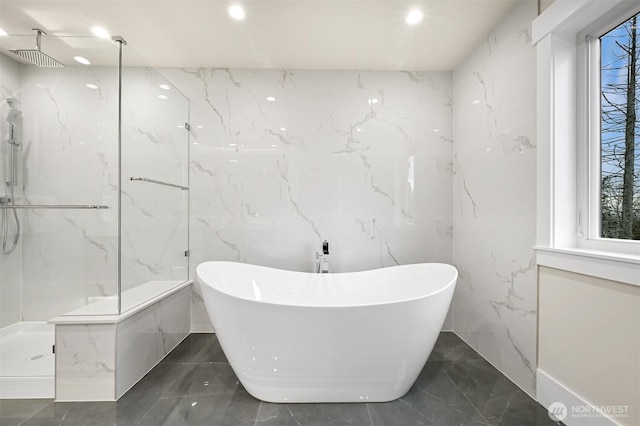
494 198
10 264
282 160
70 156
155 146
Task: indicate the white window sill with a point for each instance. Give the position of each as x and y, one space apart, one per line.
624 268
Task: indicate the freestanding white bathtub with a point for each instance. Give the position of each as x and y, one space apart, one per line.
346 337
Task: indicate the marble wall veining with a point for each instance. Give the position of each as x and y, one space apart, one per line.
98 361
494 198
154 146
10 264
147 337
282 160
70 156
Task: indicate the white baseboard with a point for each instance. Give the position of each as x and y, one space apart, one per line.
578 411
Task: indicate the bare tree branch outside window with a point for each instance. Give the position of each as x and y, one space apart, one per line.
620 132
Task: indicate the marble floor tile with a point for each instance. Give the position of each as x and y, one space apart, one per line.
496 397
313 415
196 348
194 385
15 411
75 414
206 379
450 347
484 386
396 413
203 410
443 405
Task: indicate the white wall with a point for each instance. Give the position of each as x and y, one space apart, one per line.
10 264
589 341
494 308
372 178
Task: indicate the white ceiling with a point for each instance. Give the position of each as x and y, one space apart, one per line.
293 34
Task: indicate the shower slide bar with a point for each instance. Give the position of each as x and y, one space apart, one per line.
159 182
52 206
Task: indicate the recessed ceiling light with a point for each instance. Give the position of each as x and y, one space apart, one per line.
436 130
83 61
163 97
283 129
165 87
414 17
271 99
92 86
476 102
237 12
3 33
358 129
373 100
100 32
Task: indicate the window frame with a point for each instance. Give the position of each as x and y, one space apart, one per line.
564 238
589 136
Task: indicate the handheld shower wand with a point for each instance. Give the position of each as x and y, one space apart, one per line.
14 118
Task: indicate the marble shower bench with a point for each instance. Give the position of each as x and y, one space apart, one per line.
100 357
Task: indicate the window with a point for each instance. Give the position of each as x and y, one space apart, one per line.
619 132
609 186
583 159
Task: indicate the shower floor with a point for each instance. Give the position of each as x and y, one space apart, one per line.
27 362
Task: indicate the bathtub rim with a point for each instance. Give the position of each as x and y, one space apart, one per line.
451 282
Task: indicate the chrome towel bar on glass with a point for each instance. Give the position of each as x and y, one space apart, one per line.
52 206
159 182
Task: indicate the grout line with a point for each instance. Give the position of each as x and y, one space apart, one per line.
454 408
467 398
147 412
36 412
419 413
255 423
369 413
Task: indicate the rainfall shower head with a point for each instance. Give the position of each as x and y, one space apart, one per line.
35 56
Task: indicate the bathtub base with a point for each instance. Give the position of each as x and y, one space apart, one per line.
315 393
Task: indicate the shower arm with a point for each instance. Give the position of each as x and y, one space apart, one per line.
38 37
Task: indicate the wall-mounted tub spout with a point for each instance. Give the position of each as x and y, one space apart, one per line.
322 259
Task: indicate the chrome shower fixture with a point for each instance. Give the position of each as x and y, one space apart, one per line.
14 117
36 56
